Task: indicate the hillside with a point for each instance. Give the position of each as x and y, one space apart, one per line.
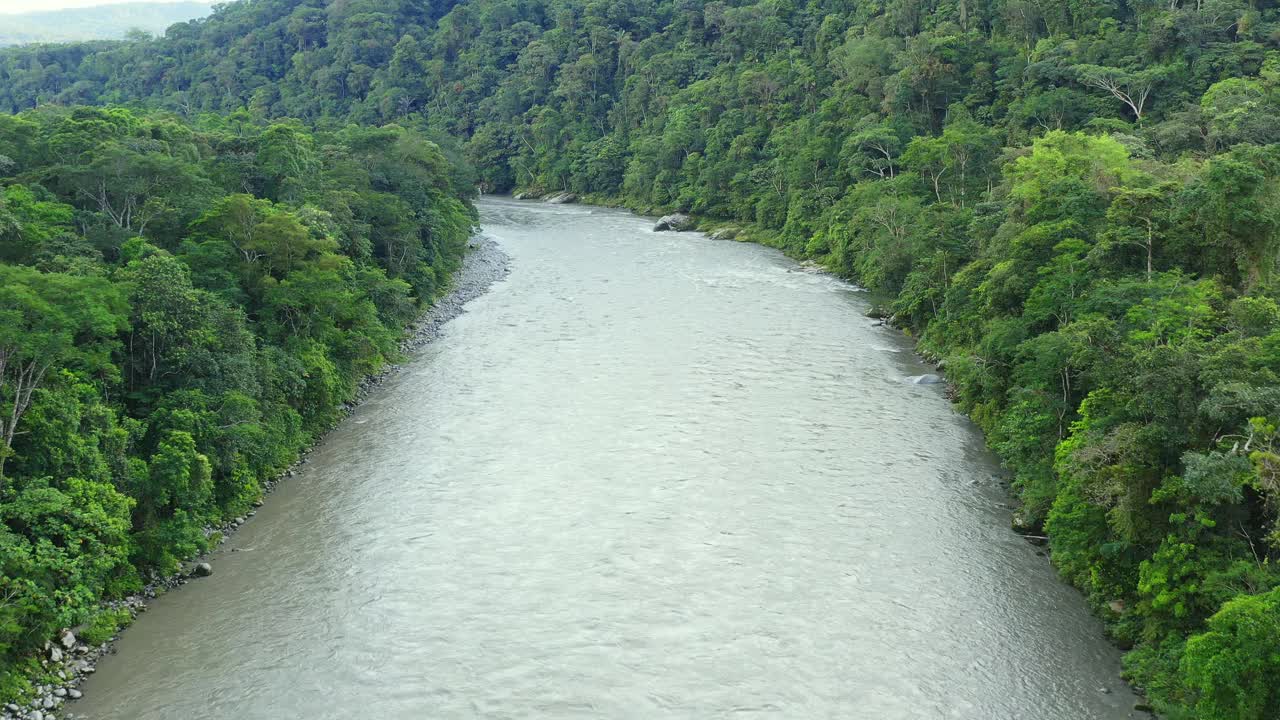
1073 206
107 22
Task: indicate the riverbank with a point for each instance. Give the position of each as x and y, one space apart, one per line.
881 314
605 482
67 660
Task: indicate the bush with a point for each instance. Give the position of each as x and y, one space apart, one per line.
1232 670
104 625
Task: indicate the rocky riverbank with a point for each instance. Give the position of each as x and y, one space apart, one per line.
484 265
67 660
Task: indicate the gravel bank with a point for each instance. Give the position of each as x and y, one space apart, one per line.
484 265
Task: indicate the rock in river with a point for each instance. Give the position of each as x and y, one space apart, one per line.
926 380
202 570
675 222
561 198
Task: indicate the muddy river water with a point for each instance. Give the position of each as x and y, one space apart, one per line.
645 476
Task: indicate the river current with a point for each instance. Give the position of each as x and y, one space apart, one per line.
645 476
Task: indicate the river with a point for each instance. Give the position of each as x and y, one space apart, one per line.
645 476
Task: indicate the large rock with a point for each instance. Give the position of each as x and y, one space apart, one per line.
527 195
1022 524
68 639
926 380
560 198
674 222
202 570
55 655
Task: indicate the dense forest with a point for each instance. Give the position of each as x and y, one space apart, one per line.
1073 205
184 307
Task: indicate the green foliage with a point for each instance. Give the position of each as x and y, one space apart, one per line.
1231 668
62 544
104 625
1074 204
183 308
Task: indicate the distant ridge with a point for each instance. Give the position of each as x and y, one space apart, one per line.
106 22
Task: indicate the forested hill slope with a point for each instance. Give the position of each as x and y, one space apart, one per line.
184 308
1074 204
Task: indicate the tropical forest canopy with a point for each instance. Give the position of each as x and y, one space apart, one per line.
183 308
1074 205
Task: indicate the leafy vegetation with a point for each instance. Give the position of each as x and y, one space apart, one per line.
184 306
1072 204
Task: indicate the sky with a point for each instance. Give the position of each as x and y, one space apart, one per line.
18 6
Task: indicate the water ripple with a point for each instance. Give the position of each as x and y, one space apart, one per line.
648 476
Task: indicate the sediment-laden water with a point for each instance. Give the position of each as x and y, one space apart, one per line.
645 476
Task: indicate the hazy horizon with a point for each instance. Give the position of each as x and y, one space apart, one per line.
13 7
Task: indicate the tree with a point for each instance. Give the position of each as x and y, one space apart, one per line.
873 149
49 321
1131 87
1140 216
29 223
266 236
1231 669
287 157
129 188
1234 203
1236 110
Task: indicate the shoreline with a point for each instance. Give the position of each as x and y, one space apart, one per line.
68 659
881 316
